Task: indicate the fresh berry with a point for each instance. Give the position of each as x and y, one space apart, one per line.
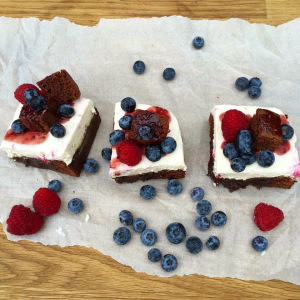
169 263
260 243
122 236
146 132
147 192
238 164
219 218
175 233
66 111
194 245
153 153
17 126
255 81
116 136
230 151
128 104
154 255
202 223
30 93
54 185
139 67
265 158
37 103
169 73
249 158
125 122
106 153
46 202
168 145
267 217
148 237
19 92
287 132
91 166
58 130
244 141
203 207
125 217
198 42
213 243
233 122
129 153
138 225
174 187
197 193
75 205
254 92
242 83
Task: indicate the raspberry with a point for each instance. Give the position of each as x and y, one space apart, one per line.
233 122
46 202
19 92
22 220
129 153
266 217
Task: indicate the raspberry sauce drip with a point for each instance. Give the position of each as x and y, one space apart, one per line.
223 145
160 111
283 148
221 116
115 163
26 138
284 119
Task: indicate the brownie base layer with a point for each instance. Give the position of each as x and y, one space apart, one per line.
79 157
164 174
232 185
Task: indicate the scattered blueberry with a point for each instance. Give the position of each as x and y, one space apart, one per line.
249 158
169 262
203 207
169 73
194 245
106 153
154 255
29 94
238 164
255 81
146 132
213 243
244 141
125 122
91 166
242 83
202 223
75 206
218 218
254 92
139 67
260 243
122 236
17 126
174 187
55 185
66 111
287 132
116 136
265 158
153 152
230 151
168 145
147 192
58 130
198 42
125 217
197 193
128 104
175 233
138 225
148 237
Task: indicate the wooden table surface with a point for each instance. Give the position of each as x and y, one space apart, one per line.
29 270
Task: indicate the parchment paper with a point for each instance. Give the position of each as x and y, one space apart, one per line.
100 59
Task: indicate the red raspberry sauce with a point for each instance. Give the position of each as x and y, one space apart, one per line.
283 148
26 138
284 119
160 111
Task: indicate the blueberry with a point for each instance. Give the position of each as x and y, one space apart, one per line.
128 104
168 145
175 233
116 136
75 206
139 67
213 243
242 83
122 236
255 81
106 153
91 166
238 164
138 225
230 151
55 185
169 263
244 141
202 223
174 187
17 126
146 132
169 73
218 218
198 42
37 103
29 94
154 255
153 153
287 132
249 158
148 237
125 122
66 111
197 193
147 192
194 245
125 217
254 92
260 243
58 130
203 207
265 158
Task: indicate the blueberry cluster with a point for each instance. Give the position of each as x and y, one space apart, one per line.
34 99
253 85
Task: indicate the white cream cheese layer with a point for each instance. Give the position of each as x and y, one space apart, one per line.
53 148
172 161
284 165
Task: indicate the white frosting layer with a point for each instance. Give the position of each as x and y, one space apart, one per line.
172 161
52 148
284 165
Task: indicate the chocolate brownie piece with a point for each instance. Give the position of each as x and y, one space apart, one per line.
59 87
266 129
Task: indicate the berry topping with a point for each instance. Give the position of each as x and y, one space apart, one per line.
260 243
66 111
213 243
106 153
255 81
125 122
238 165
202 223
287 132
146 132
194 245
29 94
153 153
174 187
175 233
198 42
58 130
249 158
75 205
138 225
242 83
218 218
265 158
54 185
17 126
169 73
91 166
116 136
19 92
139 67
125 217
128 104
168 145
230 151
169 263
254 92
148 237
122 236
46 202
154 255
203 207
37 103
147 192
244 141
197 193
233 122
267 217
129 153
